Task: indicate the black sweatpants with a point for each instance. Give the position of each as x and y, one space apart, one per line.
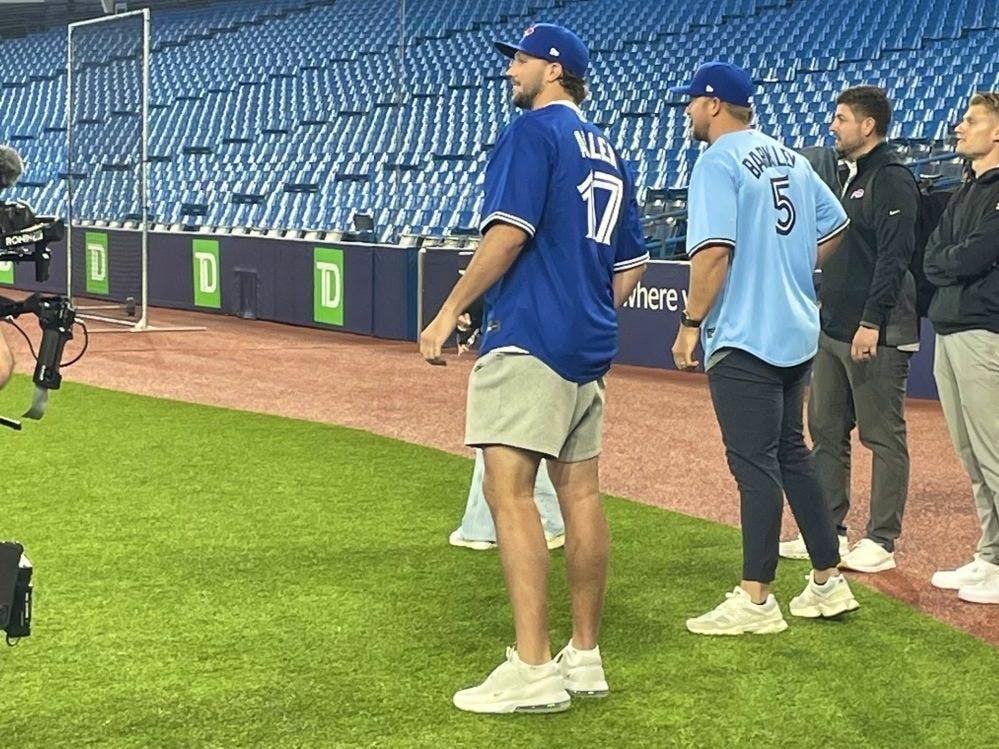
759 409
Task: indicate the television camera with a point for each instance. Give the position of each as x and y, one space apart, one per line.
25 237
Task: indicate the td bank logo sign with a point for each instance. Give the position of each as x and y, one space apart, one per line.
207 289
327 286
7 273
97 262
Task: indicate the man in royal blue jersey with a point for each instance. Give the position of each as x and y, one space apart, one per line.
758 219
562 247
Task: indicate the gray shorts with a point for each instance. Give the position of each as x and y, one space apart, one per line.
517 400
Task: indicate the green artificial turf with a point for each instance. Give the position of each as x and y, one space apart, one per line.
212 578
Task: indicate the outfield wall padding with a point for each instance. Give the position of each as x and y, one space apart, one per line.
356 288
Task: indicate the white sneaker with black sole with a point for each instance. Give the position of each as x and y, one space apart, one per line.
582 672
830 599
868 556
738 615
796 549
516 687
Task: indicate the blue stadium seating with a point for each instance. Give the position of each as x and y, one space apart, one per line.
297 113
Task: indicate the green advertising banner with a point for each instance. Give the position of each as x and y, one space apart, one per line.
207 289
97 262
327 286
7 273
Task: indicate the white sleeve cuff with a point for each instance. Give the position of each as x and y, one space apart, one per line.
506 218
633 262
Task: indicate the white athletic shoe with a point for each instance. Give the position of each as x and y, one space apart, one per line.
970 574
868 556
738 615
795 548
456 539
582 672
831 599
555 542
516 687
985 590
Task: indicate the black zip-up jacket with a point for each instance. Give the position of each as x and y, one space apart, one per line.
962 259
868 279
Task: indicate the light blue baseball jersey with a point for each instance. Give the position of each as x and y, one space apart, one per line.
750 193
558 178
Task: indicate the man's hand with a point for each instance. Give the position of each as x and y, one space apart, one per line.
865 344
684 347
435 334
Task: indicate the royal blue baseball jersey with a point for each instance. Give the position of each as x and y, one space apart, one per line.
750 193
558 178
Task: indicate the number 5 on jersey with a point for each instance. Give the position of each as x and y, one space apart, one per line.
587 189
785 222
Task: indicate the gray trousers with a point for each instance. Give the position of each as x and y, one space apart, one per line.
871 396
966 369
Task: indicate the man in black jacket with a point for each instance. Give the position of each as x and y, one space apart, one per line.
869 329
962 260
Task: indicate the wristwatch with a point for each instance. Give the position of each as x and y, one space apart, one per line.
687 321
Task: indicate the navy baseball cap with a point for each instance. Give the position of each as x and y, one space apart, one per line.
553 43
723 80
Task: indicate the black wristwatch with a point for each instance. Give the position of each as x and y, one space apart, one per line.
687 321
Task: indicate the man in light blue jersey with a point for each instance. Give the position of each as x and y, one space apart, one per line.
562 247
759 218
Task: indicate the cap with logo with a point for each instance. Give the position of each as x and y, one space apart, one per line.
723 80
553 43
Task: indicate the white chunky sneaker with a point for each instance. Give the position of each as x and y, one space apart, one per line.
985 590
516 687
738 615
868 556
582 672
970 574
831 599
795 548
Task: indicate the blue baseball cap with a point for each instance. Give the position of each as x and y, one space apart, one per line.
553 43
723 80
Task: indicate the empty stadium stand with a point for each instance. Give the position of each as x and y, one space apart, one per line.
296 114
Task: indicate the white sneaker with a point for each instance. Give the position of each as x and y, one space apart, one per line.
795 548
582 672
738 615
970 574
554 542
985 590
831 599
456 539
868 556
516 687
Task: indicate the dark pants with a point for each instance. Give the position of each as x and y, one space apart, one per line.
759 409
871 396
